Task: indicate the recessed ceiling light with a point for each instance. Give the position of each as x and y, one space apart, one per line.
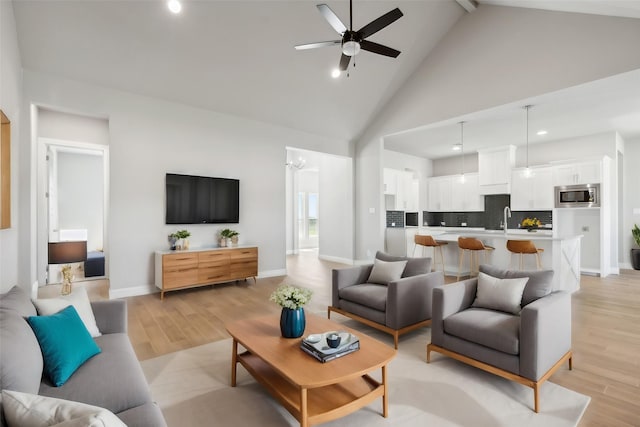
541 132
174 6
456 147
335 73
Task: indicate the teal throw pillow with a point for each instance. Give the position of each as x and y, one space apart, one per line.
65 343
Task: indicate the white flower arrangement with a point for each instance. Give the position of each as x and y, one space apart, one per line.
292 297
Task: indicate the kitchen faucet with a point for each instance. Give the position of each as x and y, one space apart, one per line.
507 214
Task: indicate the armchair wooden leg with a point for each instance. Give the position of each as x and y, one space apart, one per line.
428 353
328 313
536 397
396 337
571 363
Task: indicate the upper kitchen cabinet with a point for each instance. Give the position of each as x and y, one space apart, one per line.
577 173
404 189
390 180
534 191
451 194
494 169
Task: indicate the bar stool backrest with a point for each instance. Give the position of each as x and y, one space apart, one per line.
424 240
470 243
521 246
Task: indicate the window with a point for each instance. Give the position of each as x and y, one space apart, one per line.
308 205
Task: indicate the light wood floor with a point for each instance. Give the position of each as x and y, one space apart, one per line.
606 329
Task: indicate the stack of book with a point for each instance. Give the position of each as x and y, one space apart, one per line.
316 345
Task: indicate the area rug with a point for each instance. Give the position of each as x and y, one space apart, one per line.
192 389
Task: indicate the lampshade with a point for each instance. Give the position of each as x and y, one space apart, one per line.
67 252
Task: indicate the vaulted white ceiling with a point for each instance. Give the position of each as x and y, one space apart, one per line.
237 57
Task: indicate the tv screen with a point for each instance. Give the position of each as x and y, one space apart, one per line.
202 200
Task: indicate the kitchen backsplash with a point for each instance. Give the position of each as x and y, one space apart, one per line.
491 218
395 219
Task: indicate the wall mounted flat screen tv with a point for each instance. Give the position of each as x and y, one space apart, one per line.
201 200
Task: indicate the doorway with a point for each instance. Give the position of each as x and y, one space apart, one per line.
72 194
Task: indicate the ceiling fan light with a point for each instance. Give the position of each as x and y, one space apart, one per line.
351 48
335 73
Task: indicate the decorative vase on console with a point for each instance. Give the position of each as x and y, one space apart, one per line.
291 299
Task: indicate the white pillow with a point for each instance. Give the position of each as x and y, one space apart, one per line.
499 294
80 301
384 272
31 410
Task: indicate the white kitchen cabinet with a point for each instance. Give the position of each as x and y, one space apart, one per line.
404 187
494 169
450 194
577 173
390 179
466 195
439 197
533 192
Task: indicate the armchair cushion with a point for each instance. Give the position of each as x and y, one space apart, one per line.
367 294
415 266
538 286
499 294
494 329
384 272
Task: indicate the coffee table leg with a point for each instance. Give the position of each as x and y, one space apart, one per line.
304 415
385 396
234 361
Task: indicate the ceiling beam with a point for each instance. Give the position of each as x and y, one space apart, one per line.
468 5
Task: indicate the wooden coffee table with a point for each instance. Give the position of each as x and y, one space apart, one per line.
311 391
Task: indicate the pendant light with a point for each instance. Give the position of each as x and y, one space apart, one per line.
462 150
527 171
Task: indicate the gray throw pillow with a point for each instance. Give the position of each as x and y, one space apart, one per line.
20 354
538 286
18 300
414 266
499 294
384 272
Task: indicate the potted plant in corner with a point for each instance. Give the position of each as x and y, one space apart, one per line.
635 252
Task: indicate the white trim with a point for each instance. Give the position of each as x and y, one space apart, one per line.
590 271
132 291
272 273
624 266
339 260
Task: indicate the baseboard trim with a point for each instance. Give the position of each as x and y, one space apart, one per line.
339 260
132 292
625 266
272 273
590 272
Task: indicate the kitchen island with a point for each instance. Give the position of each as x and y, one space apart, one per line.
561 253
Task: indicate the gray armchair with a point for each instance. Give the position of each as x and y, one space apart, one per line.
527 347
396 307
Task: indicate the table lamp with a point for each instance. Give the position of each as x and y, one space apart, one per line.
66 253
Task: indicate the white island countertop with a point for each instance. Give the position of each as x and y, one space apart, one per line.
451 234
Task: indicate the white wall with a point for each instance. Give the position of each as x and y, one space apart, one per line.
10 103
150 137
631 203
80 195
72 127
336 209
491 57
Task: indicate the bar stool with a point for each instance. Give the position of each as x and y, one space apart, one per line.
473 245
429 241
524 247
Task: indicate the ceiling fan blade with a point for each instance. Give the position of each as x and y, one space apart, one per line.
316 45
344 62
379 49
378 24
332 18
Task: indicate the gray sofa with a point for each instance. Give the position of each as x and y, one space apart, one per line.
527 347
112 379
396 307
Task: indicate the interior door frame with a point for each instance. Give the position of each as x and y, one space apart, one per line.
42 201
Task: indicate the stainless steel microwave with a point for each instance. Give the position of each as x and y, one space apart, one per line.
577 196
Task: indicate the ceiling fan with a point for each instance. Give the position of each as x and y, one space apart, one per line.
353 41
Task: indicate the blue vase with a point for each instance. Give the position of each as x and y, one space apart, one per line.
292 322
